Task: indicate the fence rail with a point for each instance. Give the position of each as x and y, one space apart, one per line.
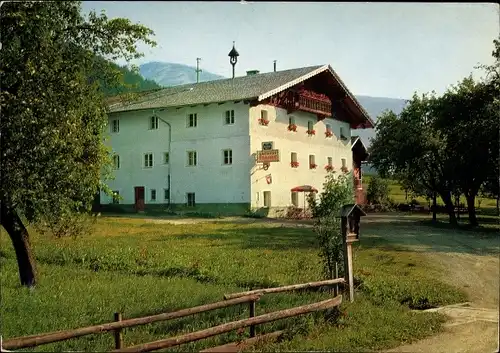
51 337
231 326
250 297
286 288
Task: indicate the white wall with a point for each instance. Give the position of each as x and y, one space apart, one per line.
284 177
210 180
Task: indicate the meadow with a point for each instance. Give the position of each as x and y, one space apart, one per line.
140 267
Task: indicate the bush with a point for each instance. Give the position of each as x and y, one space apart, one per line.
337 191
378 191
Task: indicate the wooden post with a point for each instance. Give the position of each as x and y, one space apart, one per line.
252 314
336 286
118 333
348 275
350 271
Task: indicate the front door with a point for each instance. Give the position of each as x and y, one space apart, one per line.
139 198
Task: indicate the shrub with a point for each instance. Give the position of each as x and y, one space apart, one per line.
338 191
378 191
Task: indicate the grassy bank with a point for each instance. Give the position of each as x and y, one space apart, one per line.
140 268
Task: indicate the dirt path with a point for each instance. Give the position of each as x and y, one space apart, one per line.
469 261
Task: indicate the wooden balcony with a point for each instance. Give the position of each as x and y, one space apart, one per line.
315 105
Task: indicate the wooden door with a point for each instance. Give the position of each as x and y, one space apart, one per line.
139 198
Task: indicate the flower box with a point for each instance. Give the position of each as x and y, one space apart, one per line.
294 164
263 122
292 127
329 168
312 166
344 169
311 132
328 133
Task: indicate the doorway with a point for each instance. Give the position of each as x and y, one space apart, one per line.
139 198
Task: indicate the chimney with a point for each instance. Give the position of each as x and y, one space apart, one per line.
274 65
252 72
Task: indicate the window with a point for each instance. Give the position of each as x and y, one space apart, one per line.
263 115
227 157
116 197
166 194
310 125
291 120
192 120
267 198
116 161
342 134
191 199
153 123
293 157
312 161
148 160
328 128
229 117
115 125
192 160
344 163
295 199
166 157
153 194
330 161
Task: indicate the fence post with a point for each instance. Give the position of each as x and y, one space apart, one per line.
336 286
252 314
118 333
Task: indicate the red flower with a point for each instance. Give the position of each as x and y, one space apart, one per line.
329 133
263 122
344 169
311 132
329 167
294 164
312 166
292 127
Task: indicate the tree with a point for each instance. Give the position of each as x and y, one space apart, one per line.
467 117
337 191
53 111
410 148
378 190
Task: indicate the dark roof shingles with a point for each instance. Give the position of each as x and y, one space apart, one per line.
239 88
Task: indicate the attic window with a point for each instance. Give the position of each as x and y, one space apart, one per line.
342 134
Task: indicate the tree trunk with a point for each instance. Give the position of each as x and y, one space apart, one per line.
20 239
498 205
471 209
434 207
449 208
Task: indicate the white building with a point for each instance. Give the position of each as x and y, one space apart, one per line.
194 146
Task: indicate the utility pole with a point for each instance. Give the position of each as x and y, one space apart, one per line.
198 70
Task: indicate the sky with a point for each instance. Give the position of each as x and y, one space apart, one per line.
378 49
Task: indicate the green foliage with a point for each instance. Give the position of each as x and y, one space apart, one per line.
337 191
378 191
54 114
444 145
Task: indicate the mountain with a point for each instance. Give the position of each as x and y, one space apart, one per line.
170 74
132 82
374 106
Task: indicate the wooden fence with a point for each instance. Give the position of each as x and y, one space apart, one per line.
250 297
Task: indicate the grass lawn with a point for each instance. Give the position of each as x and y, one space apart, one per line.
398 195
141 268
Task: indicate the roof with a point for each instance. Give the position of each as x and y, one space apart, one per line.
252 87
346 210
355 140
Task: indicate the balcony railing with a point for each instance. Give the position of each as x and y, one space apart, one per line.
314 105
